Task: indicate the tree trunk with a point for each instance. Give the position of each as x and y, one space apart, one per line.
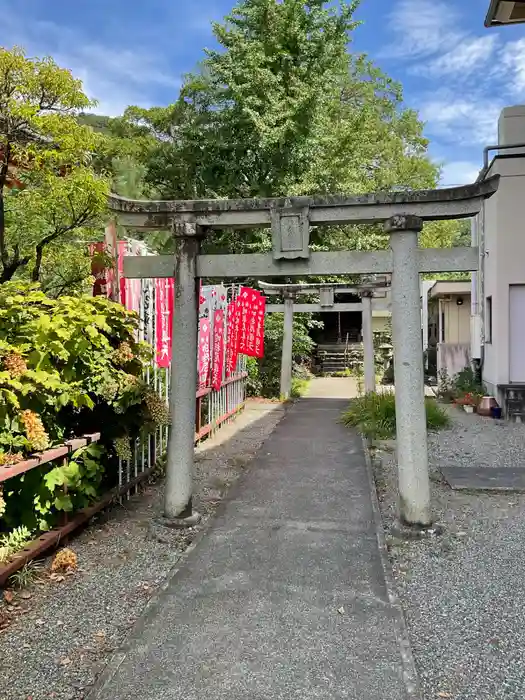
35 274
3 251
9 269
7 273
4 256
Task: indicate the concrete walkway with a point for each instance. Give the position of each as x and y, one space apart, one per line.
285 596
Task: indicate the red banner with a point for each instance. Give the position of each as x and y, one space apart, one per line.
259 326
247 301
218 349
122 250
232 343
204 352
130 290
164 320
251 334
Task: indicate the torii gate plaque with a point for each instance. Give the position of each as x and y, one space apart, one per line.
290 219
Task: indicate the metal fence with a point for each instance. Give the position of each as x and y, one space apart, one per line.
213 410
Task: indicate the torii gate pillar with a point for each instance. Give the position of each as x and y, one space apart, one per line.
181 443
368 343
287 356
412 452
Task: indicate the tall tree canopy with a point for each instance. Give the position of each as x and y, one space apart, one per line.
49 193
283 107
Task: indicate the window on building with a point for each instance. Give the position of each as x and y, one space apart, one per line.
442 326
488 320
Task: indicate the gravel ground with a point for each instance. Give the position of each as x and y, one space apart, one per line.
464 592
474 441
62 634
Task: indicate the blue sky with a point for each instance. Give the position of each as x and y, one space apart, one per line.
455 73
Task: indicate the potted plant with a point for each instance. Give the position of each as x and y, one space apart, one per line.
468 401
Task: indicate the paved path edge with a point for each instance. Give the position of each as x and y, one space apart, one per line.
410 675
119 657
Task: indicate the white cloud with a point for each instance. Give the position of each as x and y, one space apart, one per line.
461 172
461 121
430 35
423 28
115 76
513 60
111 99
482 73
468 57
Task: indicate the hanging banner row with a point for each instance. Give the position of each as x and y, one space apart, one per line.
231 319
231 323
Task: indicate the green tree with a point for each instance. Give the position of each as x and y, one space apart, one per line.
129 181
282 107
49 193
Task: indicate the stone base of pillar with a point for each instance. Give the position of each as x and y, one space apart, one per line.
404 531
182 522
166 530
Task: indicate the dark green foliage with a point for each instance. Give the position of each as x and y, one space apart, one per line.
253 384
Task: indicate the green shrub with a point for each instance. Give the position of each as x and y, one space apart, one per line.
375 415
253 381
13 542
467 382
299 387
40 497
464 382
69 366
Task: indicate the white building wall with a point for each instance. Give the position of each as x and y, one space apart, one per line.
504 260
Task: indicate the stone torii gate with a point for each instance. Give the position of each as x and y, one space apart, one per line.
326 304
290 219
